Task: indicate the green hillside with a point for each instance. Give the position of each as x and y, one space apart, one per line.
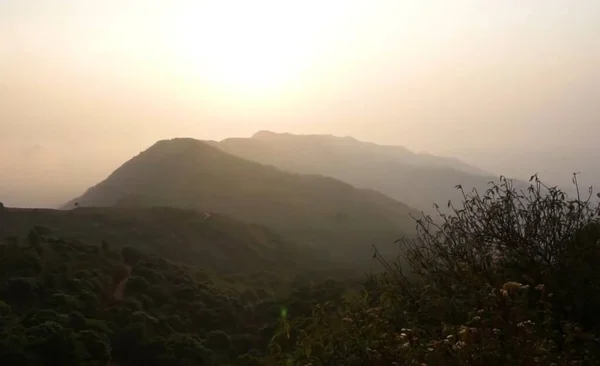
307 209
66 302
209 240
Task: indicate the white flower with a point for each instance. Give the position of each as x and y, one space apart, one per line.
458 345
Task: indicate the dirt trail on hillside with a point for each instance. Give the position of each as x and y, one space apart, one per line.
120 280
117 290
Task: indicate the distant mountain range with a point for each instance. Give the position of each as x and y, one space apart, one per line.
418 180
308 209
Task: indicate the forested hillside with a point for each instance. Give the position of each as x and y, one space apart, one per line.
307 209
508 279
64 302
210 240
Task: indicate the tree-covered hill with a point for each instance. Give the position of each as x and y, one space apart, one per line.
308 209
65 302
204 239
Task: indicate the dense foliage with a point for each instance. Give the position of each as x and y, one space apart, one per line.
209 240
509 279
67 303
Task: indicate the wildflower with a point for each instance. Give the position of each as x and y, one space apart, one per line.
459 345
477 319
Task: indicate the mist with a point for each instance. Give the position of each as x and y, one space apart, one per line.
509 87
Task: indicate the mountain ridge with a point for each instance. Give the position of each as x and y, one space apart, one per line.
419 180
425 156
309 209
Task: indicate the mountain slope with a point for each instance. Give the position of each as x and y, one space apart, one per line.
418 180
316 210
80 302
185 236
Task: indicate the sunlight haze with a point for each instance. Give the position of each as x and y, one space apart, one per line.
84 85
299 182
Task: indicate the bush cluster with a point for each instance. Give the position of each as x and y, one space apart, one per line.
508 278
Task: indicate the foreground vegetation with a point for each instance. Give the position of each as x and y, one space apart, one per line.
507 279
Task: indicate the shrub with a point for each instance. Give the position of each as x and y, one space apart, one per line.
507 278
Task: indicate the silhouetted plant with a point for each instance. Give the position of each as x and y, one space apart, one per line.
507 278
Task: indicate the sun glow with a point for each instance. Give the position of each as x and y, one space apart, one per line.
254 47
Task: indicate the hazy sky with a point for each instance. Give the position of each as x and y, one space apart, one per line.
87 83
